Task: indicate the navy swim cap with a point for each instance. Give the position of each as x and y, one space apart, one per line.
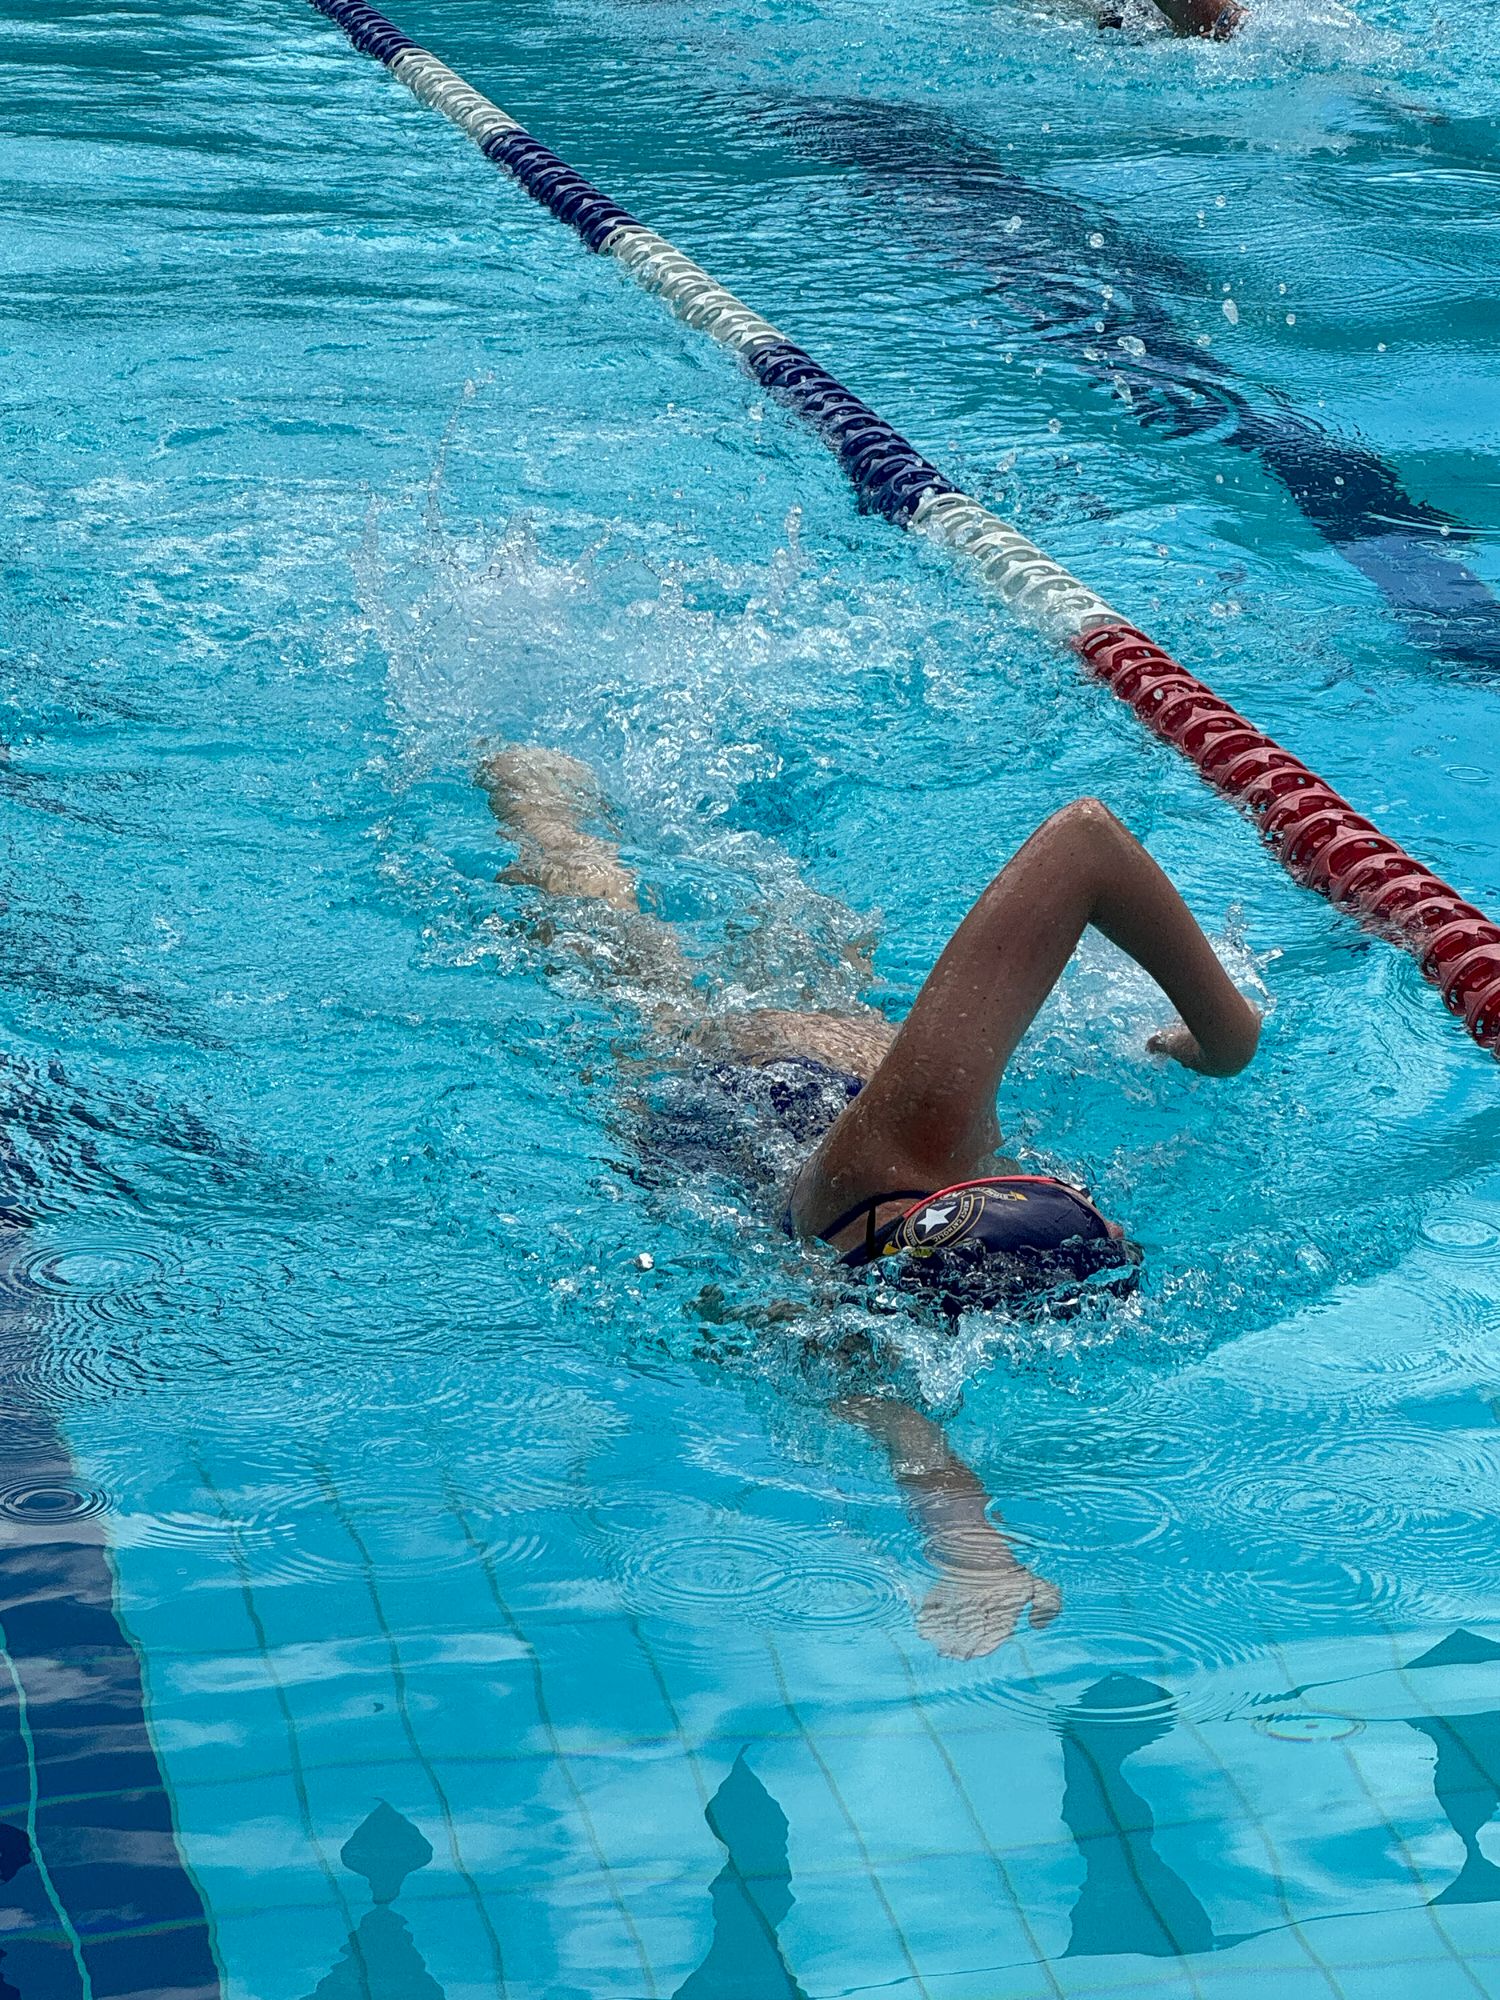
989 1242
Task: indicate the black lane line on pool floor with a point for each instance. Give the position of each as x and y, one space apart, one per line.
959 197
89 1856
88 1843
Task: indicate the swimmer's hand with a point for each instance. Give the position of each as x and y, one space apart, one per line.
1235 1045
1178 1042
967 1615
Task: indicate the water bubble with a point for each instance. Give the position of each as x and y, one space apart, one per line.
1096 241
1132 345
1231 312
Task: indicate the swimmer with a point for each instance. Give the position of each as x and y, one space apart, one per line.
1216 20
901 1168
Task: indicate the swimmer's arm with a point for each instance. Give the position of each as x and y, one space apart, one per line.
945 1496
1081 868
1137 908
928 1114
984 1588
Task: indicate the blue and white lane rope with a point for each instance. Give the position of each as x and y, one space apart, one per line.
1316 834
889 475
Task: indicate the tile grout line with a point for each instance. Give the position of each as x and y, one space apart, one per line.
558 1755
294 1747
69 1930
767 1929
398 1677
849 1820
145 1665
654 1668
1123 1839
1293 1925
1186 1722
1403 1847
1433 1918
1043 1961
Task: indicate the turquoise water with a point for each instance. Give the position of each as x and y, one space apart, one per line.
431 1509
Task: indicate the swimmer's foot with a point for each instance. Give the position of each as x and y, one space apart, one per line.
973 1611
542 797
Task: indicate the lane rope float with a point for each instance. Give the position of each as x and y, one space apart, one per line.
1322 841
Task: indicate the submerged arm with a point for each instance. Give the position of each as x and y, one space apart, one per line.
982 1588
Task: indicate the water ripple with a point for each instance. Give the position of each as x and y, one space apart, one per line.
101 1277
745 1573
46 1504
299 1534
1086 1516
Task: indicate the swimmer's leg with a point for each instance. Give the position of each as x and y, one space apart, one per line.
982 1587
542 797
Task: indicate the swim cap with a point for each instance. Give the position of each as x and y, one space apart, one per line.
989 1242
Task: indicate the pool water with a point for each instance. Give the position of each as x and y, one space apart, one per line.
434 1559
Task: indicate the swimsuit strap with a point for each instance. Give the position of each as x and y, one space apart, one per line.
868 1206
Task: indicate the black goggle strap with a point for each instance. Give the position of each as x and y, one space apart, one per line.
869 1248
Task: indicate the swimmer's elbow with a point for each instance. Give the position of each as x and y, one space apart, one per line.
1235 1050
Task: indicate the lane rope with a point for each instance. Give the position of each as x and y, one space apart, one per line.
1318 836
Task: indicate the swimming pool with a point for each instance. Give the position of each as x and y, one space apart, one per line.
409 1591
